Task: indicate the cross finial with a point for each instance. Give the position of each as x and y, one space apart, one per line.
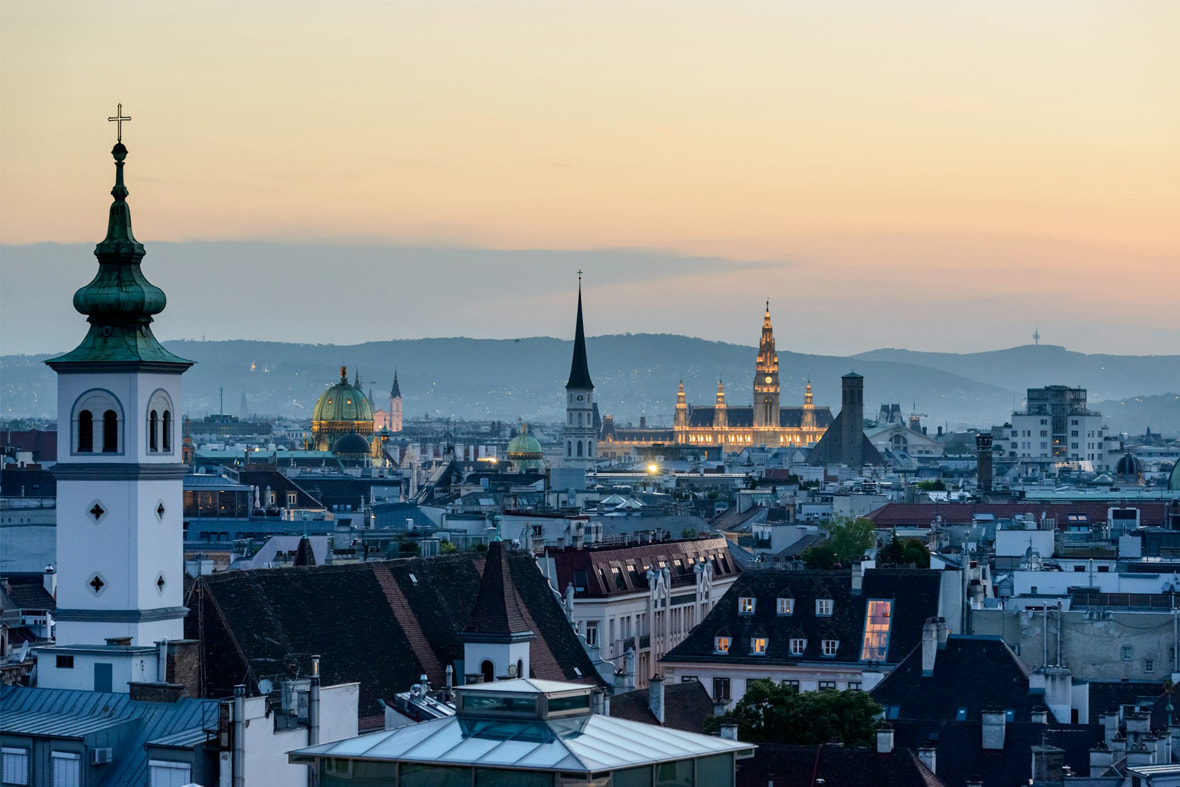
579 275
118 120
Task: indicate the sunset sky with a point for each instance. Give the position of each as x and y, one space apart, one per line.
935 175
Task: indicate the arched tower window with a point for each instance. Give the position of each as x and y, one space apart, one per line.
159 422
110 432
520 669
488 671
85 432
87 422
579 448
569 447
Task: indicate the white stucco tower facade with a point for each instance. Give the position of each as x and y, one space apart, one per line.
120 547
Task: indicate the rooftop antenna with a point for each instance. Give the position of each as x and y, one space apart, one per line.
1036 335
221 407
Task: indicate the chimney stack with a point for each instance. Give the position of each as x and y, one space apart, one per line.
929 646
885 739
994 727
929 757
983 446
655 698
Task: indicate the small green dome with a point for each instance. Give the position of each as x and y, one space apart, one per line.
343 402
524 451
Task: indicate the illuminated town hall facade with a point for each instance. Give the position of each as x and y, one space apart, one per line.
763 423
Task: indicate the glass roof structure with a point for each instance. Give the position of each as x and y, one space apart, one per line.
527 725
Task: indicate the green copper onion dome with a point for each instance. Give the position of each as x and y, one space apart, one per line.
119 301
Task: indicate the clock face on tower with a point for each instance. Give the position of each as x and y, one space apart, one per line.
768 379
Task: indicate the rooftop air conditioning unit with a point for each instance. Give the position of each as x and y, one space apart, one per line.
100 756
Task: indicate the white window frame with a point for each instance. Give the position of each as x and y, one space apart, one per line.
823 607
722 644
786 606
746 605
158 768
70 773
15 768
831 647
798 646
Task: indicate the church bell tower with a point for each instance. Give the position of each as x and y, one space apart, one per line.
766 385
120 549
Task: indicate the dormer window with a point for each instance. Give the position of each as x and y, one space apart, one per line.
721 644
830 646
758 646
823 607
746 605
798 645
786 606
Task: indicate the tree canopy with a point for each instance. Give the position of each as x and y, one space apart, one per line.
773 713
846 542
910 552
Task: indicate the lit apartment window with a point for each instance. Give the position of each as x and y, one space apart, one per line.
758 646
823 607
878 616
746 605
786 606
798 645
830 647
721 644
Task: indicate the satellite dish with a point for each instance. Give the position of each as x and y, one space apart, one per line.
265 686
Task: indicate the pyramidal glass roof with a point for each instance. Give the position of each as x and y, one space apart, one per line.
587 743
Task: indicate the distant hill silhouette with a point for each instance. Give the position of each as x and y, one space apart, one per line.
634 375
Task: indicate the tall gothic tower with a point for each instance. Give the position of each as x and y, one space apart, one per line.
120 549
578 434
395 405
766 387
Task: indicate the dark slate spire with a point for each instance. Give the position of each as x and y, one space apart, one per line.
396 391
304 556
119 301
496 616
579 368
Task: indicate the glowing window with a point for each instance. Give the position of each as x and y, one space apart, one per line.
721 644
746 605
758 646
878 616
786 606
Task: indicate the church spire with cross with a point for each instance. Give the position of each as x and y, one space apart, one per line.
120 502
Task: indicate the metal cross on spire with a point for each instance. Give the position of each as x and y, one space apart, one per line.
118 119
579 275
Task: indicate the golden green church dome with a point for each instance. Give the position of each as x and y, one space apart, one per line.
524 451
343 402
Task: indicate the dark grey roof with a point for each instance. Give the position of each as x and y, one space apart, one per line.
915 594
